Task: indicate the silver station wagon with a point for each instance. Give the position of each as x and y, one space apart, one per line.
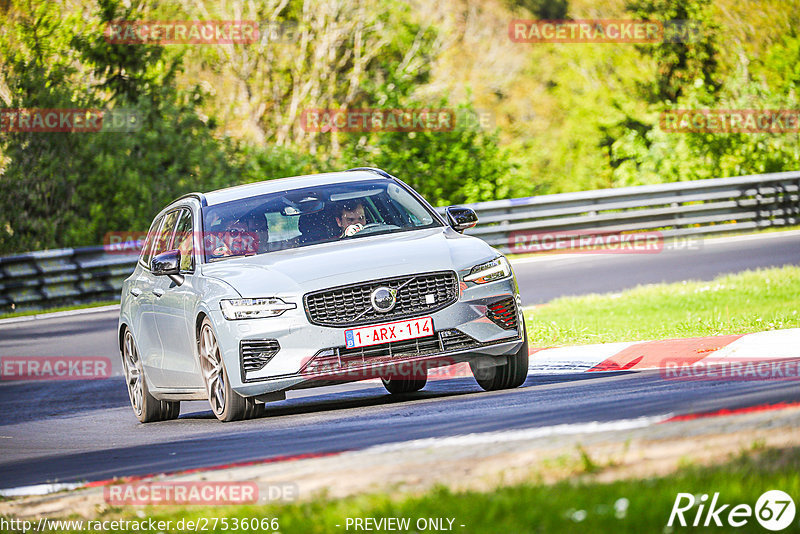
244 293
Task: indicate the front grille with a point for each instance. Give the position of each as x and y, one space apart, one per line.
256 353
396 349
350 305
503 313
337 358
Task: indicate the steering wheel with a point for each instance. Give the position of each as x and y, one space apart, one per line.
371 228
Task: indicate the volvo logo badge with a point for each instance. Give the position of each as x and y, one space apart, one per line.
383 299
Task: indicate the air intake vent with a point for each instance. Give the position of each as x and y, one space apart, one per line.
256 353
455 339
503 313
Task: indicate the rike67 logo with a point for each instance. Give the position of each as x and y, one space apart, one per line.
774 510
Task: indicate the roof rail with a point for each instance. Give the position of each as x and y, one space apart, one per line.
372 169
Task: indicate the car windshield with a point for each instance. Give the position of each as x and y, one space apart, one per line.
302 217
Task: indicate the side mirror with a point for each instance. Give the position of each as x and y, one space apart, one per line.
461 218
168 264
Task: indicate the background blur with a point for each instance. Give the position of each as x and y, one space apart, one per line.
562 117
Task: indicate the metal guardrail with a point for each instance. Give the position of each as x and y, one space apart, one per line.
704 207
701 207
50 278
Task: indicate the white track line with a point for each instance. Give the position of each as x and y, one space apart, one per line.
573 359
487 438
56 315
38 489
769 345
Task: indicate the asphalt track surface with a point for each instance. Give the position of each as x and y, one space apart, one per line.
85 430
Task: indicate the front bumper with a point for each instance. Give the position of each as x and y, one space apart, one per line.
301 344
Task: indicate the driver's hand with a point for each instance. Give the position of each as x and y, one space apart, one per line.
353 229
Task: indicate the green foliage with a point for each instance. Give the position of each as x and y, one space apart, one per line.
462 165
657 155
67 189
544 9
570 117
688 53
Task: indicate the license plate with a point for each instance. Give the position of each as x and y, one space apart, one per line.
385 333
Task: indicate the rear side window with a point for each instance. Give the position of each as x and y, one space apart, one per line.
164 235
147 248
183 240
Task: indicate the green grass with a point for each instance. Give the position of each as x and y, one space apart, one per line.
751 301
578 505
58 309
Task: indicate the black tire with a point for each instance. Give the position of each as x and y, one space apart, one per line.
510 375
399 385
146 408
226 404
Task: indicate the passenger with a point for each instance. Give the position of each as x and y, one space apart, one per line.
235 240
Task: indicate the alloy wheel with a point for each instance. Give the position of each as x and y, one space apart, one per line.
133 373
212 369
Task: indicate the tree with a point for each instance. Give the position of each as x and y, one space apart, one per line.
689 51
70 188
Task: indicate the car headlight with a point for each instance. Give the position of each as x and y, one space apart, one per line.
254 308
497 269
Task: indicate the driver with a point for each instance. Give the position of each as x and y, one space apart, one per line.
351 218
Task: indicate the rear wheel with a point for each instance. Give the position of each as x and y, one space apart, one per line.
510 375
146 407
226 404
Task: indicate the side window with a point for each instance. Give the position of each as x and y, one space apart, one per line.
164 236
282 228
147 248
183 240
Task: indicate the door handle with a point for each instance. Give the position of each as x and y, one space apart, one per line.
158 292
136 291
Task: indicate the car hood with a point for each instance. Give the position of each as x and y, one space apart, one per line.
297 271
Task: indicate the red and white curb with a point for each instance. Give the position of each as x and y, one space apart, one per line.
637 356
630 356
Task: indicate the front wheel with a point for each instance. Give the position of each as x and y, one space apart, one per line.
226 404
146 407
510 375
396 384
